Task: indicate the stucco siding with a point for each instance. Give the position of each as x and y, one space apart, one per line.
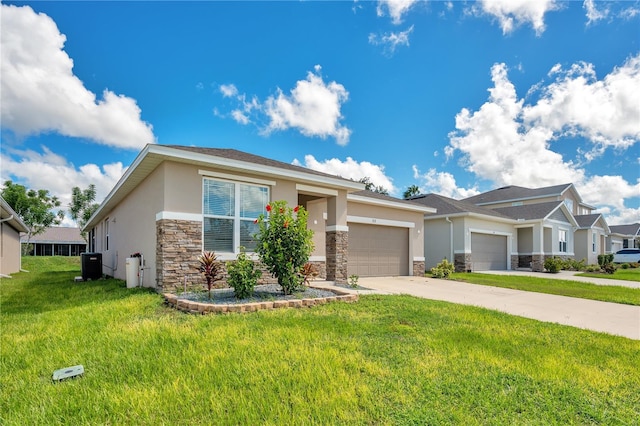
9 250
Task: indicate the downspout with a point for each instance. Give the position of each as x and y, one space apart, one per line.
450 238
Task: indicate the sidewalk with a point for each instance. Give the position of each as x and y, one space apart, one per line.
567 275
611 318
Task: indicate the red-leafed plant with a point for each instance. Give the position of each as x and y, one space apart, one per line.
211 268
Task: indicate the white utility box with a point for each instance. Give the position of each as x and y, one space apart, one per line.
133 272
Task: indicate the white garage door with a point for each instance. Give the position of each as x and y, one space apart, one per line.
488 252
378 251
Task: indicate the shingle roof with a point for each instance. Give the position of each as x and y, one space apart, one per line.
446 205
512 193
632 229
58 235
587 220
234 154
529 211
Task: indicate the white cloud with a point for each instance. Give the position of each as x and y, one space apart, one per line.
395 8
48 170
593 14
513 13
391 40
313 107
350 169
442 183
228 90
606 111
509 143
40 93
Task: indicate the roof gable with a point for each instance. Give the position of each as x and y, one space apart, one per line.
449 206
631 229
518 193
540 211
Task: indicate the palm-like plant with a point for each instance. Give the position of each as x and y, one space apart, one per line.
211 268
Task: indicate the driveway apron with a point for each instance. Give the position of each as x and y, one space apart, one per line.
611 318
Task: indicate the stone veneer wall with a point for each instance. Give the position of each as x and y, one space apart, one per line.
337 245
514 262
462 262
418 268
537 263
321 268
178 245
525 261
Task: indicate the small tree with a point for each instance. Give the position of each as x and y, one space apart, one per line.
82 206
35 208
284 243
211 268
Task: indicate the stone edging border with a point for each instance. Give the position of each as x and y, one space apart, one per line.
192 307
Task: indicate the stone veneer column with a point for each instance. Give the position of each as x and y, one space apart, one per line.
178 245
462 262
537 263
418 268
514 262
337 244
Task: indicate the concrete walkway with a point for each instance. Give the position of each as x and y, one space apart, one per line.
568 275
611 318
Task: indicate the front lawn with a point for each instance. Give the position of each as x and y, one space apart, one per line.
616 294
620 274
383 360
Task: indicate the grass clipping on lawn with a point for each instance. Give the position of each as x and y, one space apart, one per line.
385 360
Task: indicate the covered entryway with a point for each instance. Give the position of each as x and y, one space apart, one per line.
488 252
378 251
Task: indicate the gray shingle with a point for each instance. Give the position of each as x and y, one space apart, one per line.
513 193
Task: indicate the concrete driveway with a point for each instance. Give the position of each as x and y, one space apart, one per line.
611 318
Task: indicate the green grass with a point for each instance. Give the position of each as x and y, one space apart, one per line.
383 360
620 274
615 294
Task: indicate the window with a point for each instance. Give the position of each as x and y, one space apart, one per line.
593 242
230 210
106 234
569 204
562 238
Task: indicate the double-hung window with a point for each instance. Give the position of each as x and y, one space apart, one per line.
230 210
562 239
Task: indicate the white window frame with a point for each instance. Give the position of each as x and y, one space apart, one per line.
593 242
236 218
563 233
569 203
106 234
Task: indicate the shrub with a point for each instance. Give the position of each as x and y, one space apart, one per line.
609 268
601 258
442 269
553 264
211 268
309 272
243 276
353 281
625 266
284 243
608 258
593 268
634 265
574 265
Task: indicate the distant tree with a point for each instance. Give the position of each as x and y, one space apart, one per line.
35 207
82 206
370 186
410 192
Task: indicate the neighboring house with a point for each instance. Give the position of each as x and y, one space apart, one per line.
173 202
56 241
10 228
506 238
624 236
513 227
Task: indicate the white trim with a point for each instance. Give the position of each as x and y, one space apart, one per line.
461 252
482 231
390 203
382 222
316 190
236 178
317 258
337 228
194 217
419 258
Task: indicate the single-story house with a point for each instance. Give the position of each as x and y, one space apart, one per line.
477 238
11 225
173 202
624 236
56 241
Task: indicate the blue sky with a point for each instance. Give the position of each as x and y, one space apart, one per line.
454 97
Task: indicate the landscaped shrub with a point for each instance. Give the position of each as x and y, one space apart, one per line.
593 268
553 264
442 269
243 276
609 268
601 259
634 265
625 266
309 272
609 258
211 268
574 265
284 243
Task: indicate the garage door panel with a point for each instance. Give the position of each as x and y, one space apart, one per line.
488 252
378 250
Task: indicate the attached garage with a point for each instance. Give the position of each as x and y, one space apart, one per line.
378 251
488 252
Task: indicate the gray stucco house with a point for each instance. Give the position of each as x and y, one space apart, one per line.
10 228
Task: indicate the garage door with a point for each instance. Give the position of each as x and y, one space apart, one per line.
488 252
378 251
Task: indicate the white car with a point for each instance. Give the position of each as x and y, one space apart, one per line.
628 255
